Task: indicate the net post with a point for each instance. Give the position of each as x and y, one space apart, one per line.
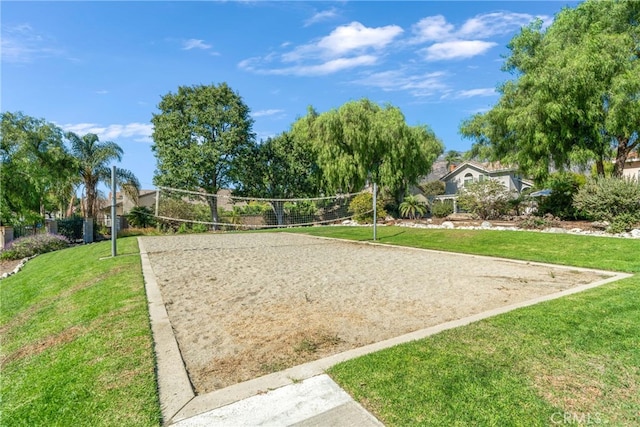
114 227
157 200
375 211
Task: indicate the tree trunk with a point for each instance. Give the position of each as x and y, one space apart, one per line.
278 208
621 156
600 167
213 205
91 201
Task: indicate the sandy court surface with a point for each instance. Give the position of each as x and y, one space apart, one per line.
245 305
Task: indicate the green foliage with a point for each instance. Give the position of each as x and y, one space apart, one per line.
433 188
25 247
141 217
361 207
35 168
412 207
199 136
610 199
94 158
363 141
575 91
183 209
563 186
442 208
488 199
71 228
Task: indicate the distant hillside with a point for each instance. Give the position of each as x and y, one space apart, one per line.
438 170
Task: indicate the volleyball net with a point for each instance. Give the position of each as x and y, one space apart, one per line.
178 209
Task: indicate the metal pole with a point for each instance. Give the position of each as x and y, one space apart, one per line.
375 210
114 228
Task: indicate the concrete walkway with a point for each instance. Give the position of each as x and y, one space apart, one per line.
299 396
317 401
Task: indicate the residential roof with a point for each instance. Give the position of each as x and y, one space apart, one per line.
489 168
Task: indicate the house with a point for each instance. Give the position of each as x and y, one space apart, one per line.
632 166
471 171
124 204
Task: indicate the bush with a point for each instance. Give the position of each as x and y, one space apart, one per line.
610 199
361 207
141 217
25 247
488 199
442 208
71 228
412 207
564 186
432 188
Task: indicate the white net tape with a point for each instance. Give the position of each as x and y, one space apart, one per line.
176 208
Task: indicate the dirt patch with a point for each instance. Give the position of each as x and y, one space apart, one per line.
7 266
46 343
243 305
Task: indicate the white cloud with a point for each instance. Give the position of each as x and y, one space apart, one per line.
102 92
321 16
195 44
140 132
356 36
419 85
328 67
432 28
457 49
23 44
346 47
496 23
488 91
468 40
265 113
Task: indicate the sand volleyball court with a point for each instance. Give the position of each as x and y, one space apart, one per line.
248 304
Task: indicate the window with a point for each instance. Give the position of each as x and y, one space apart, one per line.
468 178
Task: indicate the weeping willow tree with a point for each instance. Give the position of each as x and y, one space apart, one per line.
362 141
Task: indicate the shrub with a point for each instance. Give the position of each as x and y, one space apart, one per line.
432 188
610 199
141 217
412 207
71 228
564 186
25 247
488 199
361 207
442 208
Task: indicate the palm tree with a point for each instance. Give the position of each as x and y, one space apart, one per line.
452 158
411 207
94 157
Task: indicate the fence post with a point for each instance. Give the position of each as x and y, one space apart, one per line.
87 230
6 234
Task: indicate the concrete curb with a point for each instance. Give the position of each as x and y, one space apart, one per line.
179 402
174 385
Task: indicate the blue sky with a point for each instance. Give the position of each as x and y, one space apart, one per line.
102 67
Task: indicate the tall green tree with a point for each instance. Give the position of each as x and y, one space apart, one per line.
281 167
362 141
452 157
35 167
198 135
94 158
576 92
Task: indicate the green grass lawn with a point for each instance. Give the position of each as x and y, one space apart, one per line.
77 348
575 360
76 342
